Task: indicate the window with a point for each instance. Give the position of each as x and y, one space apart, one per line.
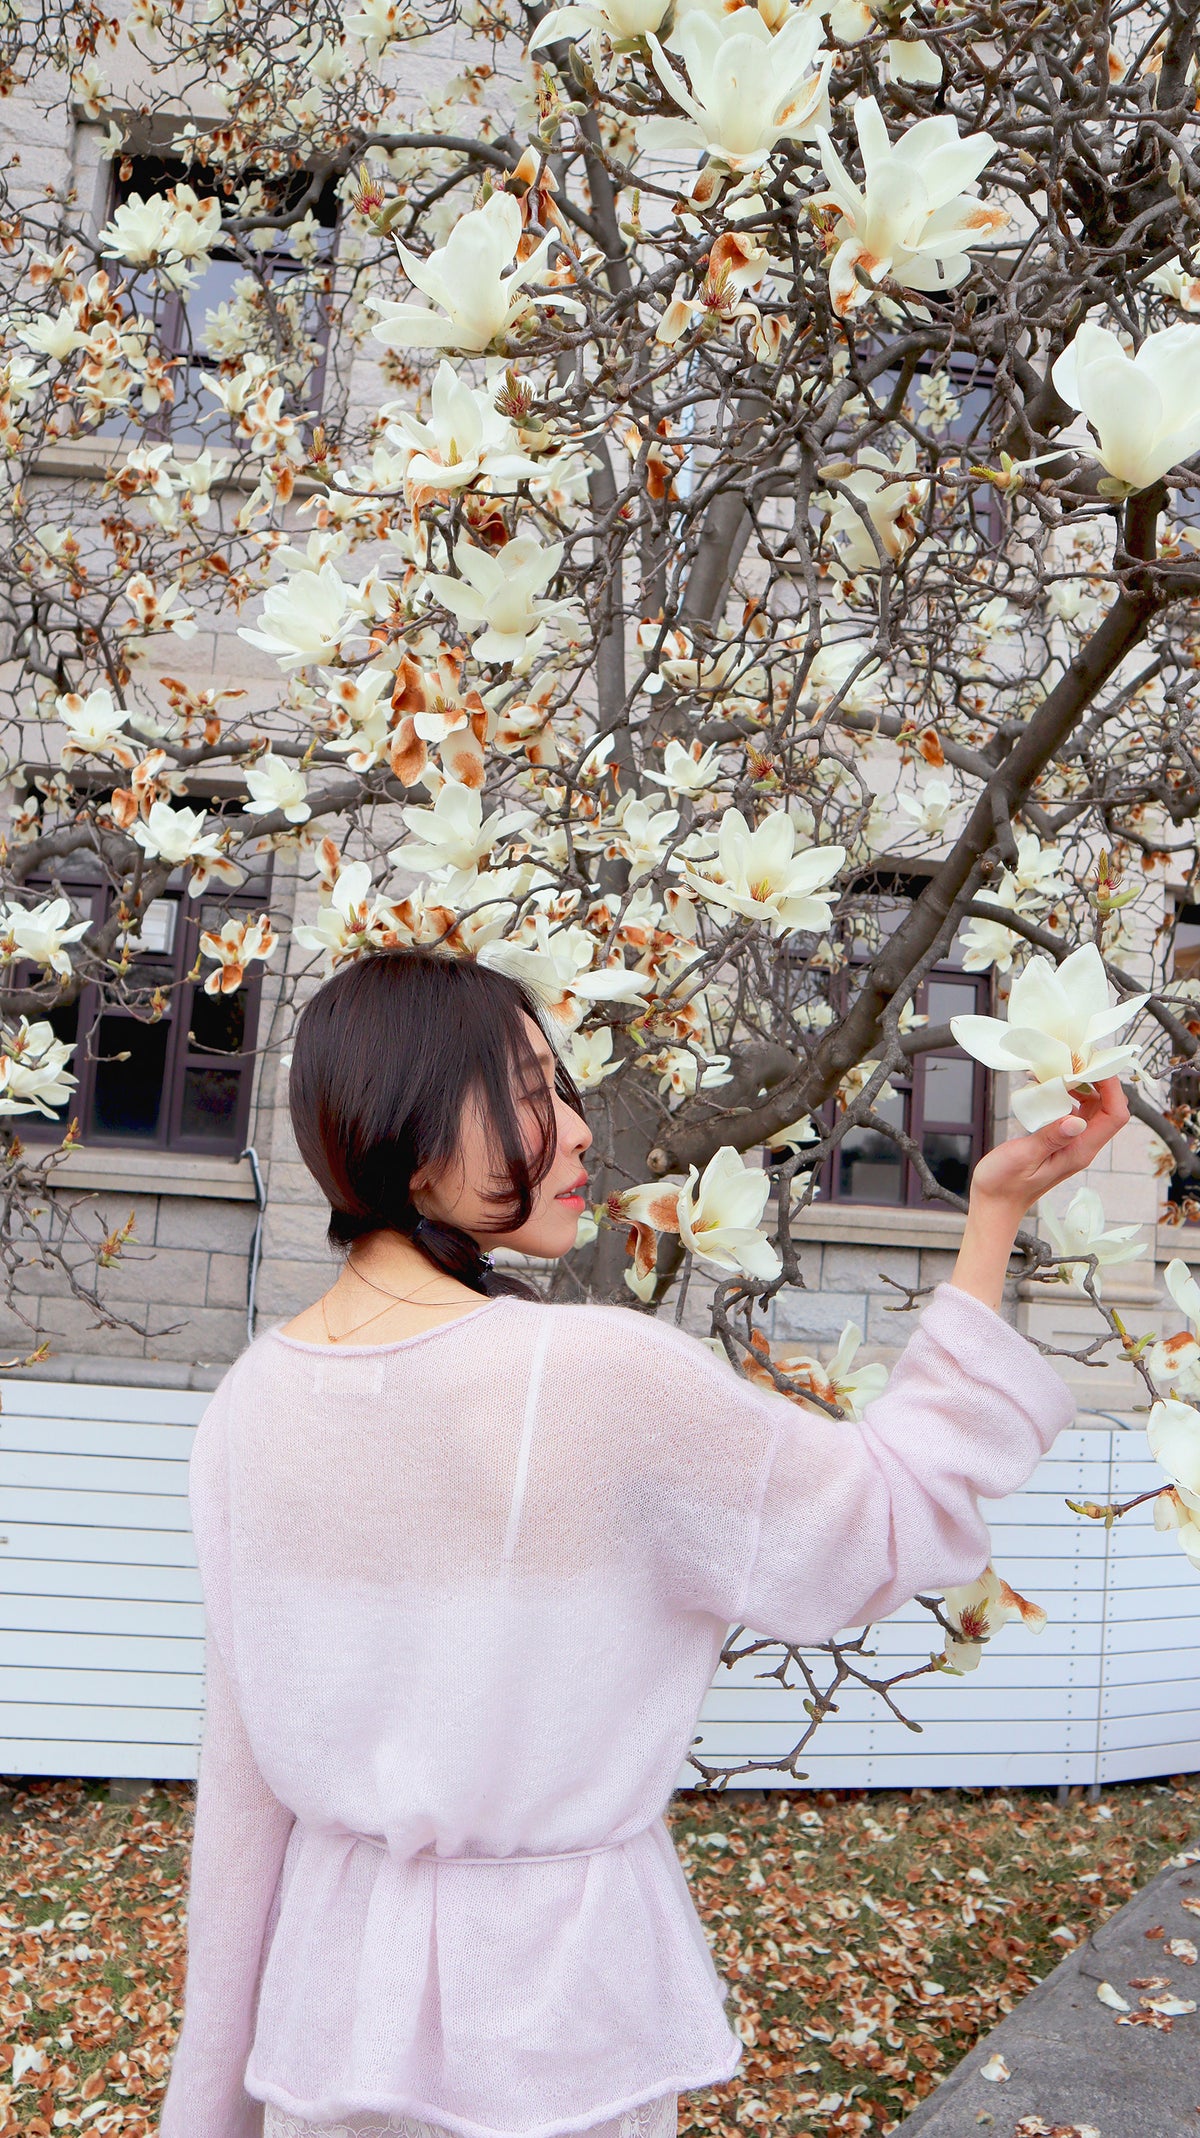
941 1103
1183 1190
199 327
165 1067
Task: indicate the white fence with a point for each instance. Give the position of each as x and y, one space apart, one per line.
102 1627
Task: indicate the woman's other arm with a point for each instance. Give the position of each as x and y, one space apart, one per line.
240 1835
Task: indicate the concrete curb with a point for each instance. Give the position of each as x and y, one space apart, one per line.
1071 2064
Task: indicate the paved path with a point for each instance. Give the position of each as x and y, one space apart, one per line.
1072 2066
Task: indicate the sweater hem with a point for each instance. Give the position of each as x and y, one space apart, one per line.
327 2111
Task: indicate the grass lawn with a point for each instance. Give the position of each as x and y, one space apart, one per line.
868 1937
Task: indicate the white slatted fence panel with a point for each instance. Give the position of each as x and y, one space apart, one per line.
102 1624
101 1618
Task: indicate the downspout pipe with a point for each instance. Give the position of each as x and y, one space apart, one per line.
260 1197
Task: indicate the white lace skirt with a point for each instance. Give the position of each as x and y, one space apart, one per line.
651 2119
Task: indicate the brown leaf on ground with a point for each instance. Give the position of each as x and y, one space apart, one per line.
868 1938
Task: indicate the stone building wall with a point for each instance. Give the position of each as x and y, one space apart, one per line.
183 1284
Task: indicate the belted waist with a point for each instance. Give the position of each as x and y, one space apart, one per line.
429 1855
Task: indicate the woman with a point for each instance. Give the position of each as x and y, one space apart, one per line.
468 1565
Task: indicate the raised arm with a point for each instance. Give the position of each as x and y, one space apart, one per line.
800 1526
1011 1179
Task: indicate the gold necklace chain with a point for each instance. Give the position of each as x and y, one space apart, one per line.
394 1298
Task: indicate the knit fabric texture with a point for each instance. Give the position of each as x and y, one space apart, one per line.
654 2119
465 1595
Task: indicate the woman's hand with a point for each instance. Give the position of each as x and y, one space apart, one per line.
1011 1179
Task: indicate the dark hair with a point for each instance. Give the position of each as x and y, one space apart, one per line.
387 1055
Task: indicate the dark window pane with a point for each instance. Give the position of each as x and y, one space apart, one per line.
128 1096
870 1168
949 1089
948 1159
219 1022
949 998
209 1104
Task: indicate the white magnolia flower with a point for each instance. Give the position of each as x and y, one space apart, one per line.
719 1213
178 836
275 783
687 771
454 833
931 808
475 290
94 725
1174 280
1180 1511
1081 1231
839 1381
57 338
749 89
234 947
39 933
1058 1019
883 510
1144 409
760 874
1038 869
588 1057
910 59
832 667
913 218
354 918
303 618
33 1078
1173 1431
642 836
619 20
1175 1362
680 1075
502 592
559 967
174 236
465 437
377 24
986 943
979 1609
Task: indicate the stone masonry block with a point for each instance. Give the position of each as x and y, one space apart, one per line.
188 1221
170 1275
285 1287
104 1209
935 1265
227 1280
863 1269
815 1316
210 1335
297 1231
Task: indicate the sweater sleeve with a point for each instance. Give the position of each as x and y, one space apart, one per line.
239 1839
798 1526
855 1520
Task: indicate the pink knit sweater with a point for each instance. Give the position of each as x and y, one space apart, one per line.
465 1596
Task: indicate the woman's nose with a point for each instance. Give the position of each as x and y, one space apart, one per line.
581 1134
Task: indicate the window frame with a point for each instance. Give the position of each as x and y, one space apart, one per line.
911 1084
153 171
911 1088
183 1053
1184 1189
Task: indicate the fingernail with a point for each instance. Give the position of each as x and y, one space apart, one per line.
1073 1126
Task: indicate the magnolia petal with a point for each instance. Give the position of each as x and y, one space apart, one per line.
1037 1105
986 1038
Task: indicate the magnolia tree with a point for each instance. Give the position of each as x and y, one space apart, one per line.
774 468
